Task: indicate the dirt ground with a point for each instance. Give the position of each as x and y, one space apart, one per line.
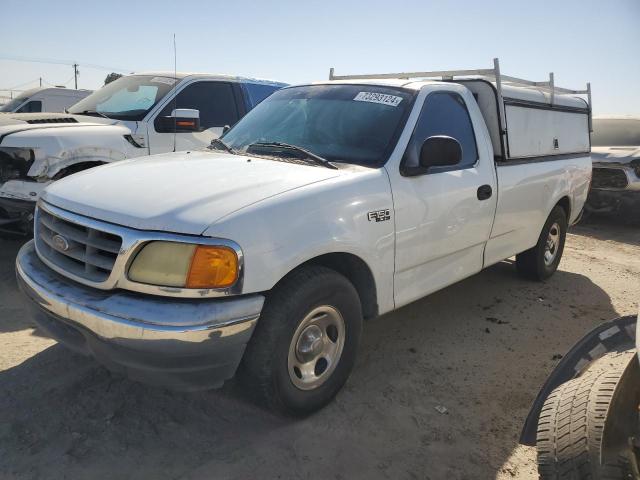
480 348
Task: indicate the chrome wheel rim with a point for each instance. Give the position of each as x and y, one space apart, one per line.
316 347
551 247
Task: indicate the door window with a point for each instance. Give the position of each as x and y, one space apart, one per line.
443 113
32 106
214 100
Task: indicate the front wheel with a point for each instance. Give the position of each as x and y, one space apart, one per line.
541 261
304 345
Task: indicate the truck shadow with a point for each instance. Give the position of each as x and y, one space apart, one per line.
11 307
614 228
478 351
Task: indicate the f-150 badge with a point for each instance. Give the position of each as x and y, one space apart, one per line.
379 215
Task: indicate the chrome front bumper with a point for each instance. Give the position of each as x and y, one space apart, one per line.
180 343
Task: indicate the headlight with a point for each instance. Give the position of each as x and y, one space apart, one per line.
185 265
15 162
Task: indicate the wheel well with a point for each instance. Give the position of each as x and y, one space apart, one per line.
565 203
358 273
75 168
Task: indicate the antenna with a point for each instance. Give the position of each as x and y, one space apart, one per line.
175 95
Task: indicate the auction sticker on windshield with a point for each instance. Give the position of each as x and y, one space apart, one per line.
168 81
383 98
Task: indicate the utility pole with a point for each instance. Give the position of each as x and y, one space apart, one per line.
40 82
75 73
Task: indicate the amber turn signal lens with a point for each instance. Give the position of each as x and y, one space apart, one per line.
212 267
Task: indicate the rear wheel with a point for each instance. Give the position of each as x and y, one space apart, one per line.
541 261
571 424
304 345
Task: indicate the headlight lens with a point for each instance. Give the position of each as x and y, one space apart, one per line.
185 265
15 162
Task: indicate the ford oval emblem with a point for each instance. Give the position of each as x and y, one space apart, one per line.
60 243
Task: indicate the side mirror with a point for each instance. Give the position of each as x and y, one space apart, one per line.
180 120
440 151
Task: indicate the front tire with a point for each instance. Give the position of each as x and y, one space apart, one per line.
541 261
304 345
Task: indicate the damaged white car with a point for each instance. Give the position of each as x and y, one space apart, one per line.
136 115
616 167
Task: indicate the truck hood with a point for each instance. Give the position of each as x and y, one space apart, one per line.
178 192
615 155
18 122
61 144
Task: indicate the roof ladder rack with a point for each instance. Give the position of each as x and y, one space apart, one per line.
493 73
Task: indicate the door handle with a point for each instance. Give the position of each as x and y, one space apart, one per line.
484 192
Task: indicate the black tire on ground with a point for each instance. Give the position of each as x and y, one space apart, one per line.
264 370
571 424
531 263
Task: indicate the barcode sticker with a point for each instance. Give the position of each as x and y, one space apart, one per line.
383 98
166 80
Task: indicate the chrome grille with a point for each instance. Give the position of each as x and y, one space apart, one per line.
82 251
609 178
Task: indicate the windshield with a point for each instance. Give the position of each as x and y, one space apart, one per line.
13 104
621 132
128 98
341 123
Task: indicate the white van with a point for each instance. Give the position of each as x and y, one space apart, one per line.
54 99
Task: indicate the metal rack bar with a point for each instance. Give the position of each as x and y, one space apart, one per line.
501 112
450 74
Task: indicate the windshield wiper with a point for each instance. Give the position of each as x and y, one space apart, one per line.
287 146
220 143
92 112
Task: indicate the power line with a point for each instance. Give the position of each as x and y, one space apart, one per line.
41 80
21 85
53 61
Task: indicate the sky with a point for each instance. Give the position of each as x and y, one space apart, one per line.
581 41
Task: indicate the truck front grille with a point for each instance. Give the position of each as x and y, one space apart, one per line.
609 178
82 251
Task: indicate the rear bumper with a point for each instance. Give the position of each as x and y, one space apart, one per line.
186 344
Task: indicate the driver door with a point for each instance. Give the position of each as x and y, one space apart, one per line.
443 216
217 106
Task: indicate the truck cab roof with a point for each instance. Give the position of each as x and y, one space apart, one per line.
211 76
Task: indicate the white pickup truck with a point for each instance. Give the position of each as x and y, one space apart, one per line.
136 115
327 204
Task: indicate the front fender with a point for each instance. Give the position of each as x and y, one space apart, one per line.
60 147
340 215
615 335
